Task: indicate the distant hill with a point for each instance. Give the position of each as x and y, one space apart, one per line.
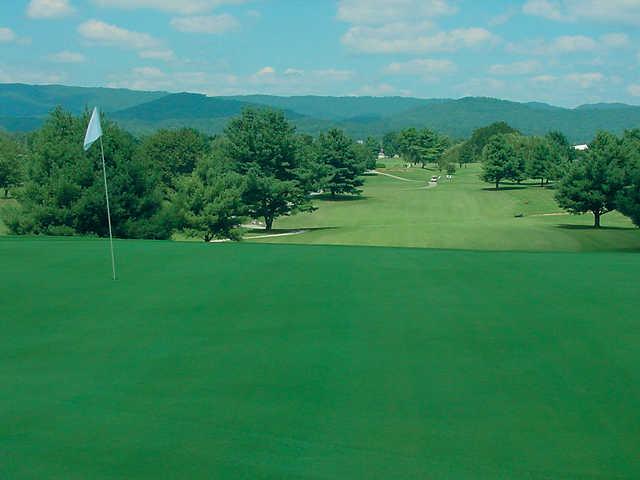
23 108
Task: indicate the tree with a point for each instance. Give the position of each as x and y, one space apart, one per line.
540 160
261 145
343 168
422 146
391 144
210 200
481 137
64 190
173 153
562 154
366 153
10 164
594 183
628 200
497 161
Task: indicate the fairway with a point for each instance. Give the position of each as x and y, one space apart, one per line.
313 362
464 214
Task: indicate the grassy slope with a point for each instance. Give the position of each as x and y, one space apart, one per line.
464 214
290 362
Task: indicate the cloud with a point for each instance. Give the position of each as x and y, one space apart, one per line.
516 68
634 90
616 40
414 38
503 17
9 74
7 35
372 12
181 7
544 8
212 24
381 90
106 34
565 44
164 55
426 67
606 11
67 57
585 80
49 9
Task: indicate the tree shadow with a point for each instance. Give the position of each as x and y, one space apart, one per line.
505 188
327 197
568 226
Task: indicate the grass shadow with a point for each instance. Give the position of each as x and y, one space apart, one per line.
568 226
505 188
327 197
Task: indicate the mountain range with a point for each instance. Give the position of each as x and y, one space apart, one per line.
24 108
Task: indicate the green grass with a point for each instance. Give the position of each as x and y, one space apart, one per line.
464 214
294 362
3 202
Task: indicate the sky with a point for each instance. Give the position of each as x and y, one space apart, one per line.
564 52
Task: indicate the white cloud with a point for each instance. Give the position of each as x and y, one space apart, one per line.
211 24
9 74
381 90
164 55
585 80
605 11
414 38
67 57
516 68
265 72
616 40
111 35
294 71
182 7
544 8
425 67
504 17
566 44
373 12
634 90
7 35
49 8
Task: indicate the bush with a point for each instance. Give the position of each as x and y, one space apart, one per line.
380 165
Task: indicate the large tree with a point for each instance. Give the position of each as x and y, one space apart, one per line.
628 200
498 160
594 183
64 191
540 160
343 168
210 200
173 153
11 155
422 146
261 144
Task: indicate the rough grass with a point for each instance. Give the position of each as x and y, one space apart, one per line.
464 214
295 362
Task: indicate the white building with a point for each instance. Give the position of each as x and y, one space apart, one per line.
581 148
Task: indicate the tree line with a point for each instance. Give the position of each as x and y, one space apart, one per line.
599 180
174 180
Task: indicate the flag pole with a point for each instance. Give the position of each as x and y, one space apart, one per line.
106 193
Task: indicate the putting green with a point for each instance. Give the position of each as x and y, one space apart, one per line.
299 362
463 214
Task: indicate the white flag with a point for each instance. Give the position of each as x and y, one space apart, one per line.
94 131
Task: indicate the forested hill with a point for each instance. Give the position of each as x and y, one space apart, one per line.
23 107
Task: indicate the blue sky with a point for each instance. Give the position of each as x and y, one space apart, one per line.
565 52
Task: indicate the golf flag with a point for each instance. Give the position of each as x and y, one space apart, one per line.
94 131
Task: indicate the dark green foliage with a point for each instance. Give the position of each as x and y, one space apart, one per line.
422 146
593 183
391 144
480 138
367 153
64 192
343 168
173 153
498 160
628 200
211 201
12 157
539 164
261 145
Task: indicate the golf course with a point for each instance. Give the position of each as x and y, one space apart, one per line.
401 209
510 354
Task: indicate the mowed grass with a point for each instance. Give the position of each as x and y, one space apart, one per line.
298 362
463 214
